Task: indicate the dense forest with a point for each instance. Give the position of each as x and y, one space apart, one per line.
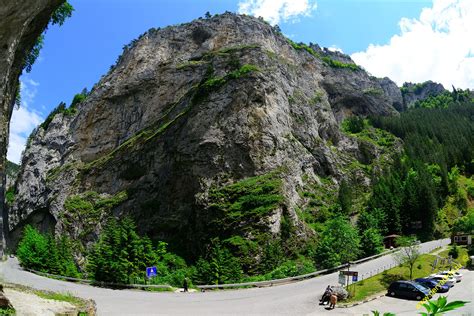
428 187
427 192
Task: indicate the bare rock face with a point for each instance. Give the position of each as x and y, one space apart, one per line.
393 92
21 22
12 170
215 128
413 92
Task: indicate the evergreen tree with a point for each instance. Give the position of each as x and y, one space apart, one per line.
45 253
121 254
371 242
221 267
345 198
339 243
32 251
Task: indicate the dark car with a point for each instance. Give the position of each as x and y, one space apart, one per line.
430 283
408 289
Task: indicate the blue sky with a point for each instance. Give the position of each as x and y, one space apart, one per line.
78 53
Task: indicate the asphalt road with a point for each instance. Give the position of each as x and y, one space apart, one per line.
300 298
463 291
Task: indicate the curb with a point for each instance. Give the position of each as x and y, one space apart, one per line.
362 302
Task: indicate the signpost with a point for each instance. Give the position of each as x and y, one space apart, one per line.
151 272
342 278
353 274
345 277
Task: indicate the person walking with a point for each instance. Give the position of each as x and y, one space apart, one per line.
185 284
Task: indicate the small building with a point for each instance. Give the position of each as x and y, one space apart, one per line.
389 241
462 239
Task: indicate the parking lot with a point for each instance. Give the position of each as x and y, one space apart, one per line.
463 290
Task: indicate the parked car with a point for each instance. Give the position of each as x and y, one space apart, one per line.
448 281
456 275
430 283
408 289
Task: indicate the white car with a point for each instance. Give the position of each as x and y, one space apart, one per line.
456 275
439 277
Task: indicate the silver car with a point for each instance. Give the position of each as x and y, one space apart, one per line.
456 275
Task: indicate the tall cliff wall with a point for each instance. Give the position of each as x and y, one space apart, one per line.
216 128
21 22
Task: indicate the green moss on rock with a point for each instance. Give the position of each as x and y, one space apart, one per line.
248 199
89 209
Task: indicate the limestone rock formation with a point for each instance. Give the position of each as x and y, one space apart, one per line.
21 22
12 173
413 92
394 93
216 128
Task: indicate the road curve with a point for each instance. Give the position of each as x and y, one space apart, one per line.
299 298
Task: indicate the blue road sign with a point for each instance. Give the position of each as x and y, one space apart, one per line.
354 278
150 272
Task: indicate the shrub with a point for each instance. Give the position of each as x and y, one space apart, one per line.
10 195
353 124
454 252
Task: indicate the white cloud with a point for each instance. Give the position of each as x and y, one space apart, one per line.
23 121
275 11
334 48
436 46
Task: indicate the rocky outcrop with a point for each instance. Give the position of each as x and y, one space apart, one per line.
21 22
394 93
214 128
12 170
414 92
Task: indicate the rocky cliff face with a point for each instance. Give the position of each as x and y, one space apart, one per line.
219 127
21 22
11 173
420 91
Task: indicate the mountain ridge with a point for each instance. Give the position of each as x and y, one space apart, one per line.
194 115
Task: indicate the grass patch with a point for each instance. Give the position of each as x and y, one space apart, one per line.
84 307
339 64
191 64
53 174
63 297
7 311
380 282
463 257
373 91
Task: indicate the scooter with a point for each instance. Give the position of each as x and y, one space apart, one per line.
325 298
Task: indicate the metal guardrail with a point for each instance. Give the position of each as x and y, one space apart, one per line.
295 278
233 285
290 279
271 282
155 286
299 277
